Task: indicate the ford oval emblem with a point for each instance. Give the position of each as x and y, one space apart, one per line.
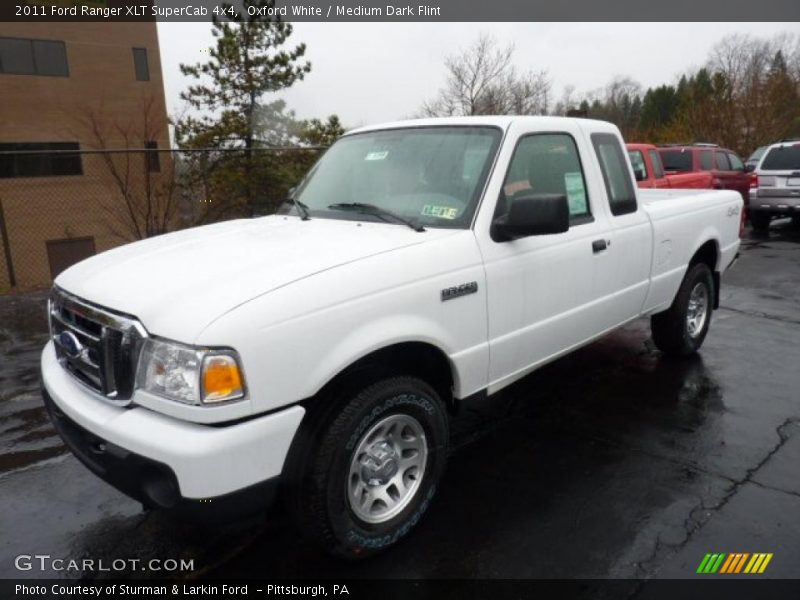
70 343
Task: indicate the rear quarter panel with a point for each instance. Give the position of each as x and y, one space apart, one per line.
682 222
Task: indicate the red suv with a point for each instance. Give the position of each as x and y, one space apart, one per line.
723 164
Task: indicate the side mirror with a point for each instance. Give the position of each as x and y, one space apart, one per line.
640 174
537 214
749 168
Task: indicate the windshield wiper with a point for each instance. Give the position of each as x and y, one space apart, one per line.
302 209
372 209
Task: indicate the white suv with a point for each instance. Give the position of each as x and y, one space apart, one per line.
778 185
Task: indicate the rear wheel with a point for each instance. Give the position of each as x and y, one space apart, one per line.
680 330
372 473
760 221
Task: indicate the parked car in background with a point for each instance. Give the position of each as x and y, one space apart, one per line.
649 171
752 161
778 185
725 166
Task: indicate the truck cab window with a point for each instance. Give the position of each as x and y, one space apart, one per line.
638 164
545 164
658 168
617 179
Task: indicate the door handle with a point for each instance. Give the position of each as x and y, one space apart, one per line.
600 246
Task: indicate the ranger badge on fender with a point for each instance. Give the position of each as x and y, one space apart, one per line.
459 290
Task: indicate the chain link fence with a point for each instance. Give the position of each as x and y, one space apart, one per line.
62 205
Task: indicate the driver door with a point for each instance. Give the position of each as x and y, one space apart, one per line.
542 290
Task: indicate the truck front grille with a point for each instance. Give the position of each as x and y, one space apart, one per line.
97 347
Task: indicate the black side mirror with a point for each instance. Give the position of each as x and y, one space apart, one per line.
640 174
749 168
536 214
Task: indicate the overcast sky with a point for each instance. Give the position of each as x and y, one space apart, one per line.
372 72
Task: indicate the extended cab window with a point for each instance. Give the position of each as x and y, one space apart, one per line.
722 161
547 163
658 170
619 187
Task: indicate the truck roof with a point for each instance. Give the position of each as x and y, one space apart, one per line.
502 122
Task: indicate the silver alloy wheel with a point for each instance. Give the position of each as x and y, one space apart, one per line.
697 311
386 469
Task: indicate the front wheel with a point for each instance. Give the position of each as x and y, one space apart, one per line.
680 330
371 475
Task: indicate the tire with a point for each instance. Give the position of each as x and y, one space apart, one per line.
796 221
677 331
355 507
760 221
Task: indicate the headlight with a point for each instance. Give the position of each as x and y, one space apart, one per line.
188 374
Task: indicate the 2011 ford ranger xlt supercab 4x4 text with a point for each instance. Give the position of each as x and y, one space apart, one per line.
418 264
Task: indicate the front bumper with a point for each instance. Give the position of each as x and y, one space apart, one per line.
159 459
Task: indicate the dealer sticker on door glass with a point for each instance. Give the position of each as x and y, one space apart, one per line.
377 155
441 212
576 193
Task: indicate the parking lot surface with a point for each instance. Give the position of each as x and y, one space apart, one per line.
611 462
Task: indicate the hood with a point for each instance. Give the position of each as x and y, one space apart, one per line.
177 283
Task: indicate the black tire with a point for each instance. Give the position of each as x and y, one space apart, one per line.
318 501
796 221
671 330
760 221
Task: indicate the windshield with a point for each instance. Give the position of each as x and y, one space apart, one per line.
429 175
782 158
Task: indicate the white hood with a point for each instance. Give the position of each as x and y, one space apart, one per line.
176 284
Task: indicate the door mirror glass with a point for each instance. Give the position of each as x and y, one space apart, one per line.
535 214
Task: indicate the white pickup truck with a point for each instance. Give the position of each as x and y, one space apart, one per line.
418 264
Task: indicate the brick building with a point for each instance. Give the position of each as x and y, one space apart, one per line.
65 89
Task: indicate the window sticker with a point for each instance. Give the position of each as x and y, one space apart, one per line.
441 212
576 193
377 155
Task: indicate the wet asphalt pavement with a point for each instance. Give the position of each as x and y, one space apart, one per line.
611 462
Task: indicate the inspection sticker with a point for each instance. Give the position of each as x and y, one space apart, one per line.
441 212
377 155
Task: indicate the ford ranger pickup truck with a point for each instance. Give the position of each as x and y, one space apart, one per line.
649 171
320 351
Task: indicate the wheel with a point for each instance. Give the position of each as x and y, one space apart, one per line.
796 221
371 475
760 221
680 330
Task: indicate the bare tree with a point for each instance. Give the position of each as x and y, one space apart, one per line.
145 203
482 80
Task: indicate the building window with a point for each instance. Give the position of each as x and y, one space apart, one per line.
51 159
153 160
140 64
33 57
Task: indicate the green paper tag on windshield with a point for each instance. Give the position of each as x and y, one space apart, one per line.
441 212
